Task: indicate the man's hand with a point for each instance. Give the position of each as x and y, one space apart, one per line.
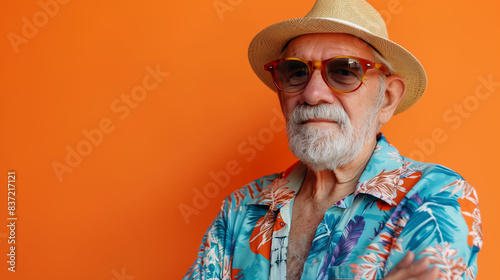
406 269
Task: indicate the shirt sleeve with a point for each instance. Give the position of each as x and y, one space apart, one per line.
213 259
444 226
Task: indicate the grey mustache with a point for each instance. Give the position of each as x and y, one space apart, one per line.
333 112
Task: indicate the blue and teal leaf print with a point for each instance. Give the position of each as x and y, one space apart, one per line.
431 221
348 241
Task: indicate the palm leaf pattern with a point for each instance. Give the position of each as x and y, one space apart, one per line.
344 247
444 257
469 203
431 221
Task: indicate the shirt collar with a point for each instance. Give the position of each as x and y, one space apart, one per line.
382 175
282 189
379 179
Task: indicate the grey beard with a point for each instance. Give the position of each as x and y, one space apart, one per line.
320 148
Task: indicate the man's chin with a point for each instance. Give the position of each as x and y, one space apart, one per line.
324 153
320 166
317 160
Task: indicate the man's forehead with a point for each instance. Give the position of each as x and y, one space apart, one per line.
334 42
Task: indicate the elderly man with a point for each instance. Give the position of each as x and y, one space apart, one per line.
353 207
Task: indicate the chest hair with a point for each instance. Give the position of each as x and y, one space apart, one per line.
302 232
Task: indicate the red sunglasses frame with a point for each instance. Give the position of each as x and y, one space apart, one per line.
365 64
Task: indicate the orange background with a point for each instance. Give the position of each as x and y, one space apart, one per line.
116 214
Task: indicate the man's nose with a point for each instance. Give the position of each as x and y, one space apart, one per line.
317 91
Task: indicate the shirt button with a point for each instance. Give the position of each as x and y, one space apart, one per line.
282 224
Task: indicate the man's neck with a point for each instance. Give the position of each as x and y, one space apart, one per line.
327 186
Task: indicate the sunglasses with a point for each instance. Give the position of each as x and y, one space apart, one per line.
342 73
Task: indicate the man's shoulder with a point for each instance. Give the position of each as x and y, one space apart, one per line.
432 169
256 186
249 192
437 178
417 176
442 193
258 191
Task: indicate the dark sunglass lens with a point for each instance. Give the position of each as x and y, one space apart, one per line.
291 75
344 74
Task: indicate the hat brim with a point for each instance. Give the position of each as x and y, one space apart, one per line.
267 45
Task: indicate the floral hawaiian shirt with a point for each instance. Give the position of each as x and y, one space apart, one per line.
398 205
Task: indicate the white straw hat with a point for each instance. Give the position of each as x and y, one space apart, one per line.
354 17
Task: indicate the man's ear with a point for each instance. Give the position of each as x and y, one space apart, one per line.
395 88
